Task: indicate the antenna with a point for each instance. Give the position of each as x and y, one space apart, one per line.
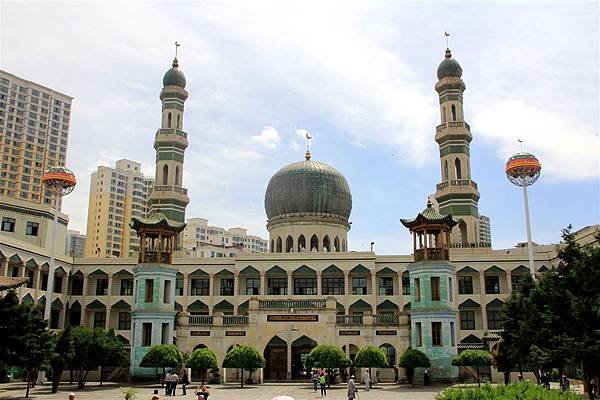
177 44
521 143
447 36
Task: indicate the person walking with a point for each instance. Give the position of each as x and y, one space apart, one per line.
351 388
315 379
174 381
168 383
426 377
184 382
367 381
323 384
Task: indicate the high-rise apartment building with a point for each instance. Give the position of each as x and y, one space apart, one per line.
203 240
75 244
485 229
34 130
116 195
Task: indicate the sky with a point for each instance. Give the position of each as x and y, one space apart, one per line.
358 75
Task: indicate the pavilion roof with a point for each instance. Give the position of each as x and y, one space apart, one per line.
429 215
156 220
11 283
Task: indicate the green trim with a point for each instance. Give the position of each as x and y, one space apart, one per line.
166 156
160 143
459 210
454 149
172 106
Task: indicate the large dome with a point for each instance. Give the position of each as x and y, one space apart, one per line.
174 76
449 67
308 188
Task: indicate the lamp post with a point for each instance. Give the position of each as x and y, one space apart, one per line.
523 169
61 181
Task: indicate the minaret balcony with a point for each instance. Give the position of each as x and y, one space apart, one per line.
168 188
453 128
171 131
453 125
432 254
456 183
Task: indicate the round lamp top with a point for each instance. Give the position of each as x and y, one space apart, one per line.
523 164
61 175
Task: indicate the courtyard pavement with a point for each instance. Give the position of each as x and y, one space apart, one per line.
225 392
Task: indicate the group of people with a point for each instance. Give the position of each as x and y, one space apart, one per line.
201 392
320 379
171 381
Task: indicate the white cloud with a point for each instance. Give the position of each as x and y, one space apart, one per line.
566 149
268 137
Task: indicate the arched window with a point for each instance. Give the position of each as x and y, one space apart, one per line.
314 243
178 122
336 244
462 227
169 120
453 112
165 174
326 244
445 170
301 244
278 245
443 114
289 244
177 175
272 246
457 168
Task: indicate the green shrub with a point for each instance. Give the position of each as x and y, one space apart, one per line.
517 391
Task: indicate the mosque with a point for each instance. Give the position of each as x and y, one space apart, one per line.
309 288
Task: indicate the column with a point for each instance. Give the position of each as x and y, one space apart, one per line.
4 266
86 283
508 282
211 291
290 289
374 290
110 282
185 291
236 289
347 290
263 286
484 324
289 357
107 322
319 284
38 280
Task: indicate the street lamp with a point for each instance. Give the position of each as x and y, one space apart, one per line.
60 181
523 169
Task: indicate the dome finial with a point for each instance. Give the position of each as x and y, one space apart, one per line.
175 62
429 203
308 137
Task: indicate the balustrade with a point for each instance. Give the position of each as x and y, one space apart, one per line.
235 320
289 304
196 320
431 253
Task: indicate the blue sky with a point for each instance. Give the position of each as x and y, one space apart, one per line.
358 75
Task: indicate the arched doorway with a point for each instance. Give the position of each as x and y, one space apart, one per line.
300 349
276 356
390 354
196 375
462 228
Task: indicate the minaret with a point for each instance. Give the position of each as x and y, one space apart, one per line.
168 195
457 193
432 300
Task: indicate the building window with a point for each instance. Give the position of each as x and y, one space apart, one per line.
452 335
359 286
494 318
492 284
44 285
450 290
406 286
99 319
436 333
54 316
126 287
252 286
167 292
419 334
200 287
435 288
226 287
8 224
179 287
77 287
467 320
164 337
124 321
332 286
517 281
149 291
386 286
277 286
465 285
101 287
146 334
32 228
58 280
417 289
30 275
305 286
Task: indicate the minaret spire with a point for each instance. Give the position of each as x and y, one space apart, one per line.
307 137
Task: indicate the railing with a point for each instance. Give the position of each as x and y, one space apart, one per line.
456 183
288 304
201 320
386 319
432 253
452 124
159 257
469 245
170 131
168 188
349 319
235 320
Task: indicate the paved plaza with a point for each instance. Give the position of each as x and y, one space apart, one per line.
228 392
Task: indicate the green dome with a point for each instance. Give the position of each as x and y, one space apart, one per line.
308 188
449 67
174 76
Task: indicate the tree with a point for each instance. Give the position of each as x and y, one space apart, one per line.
202 359
327 356
37 344
244 357
113 352
502 360
370 357
61 357
412 359
162 356
473 358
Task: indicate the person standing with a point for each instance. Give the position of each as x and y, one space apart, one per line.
184 382
351 388
426 377
367 380
174 381
323 384
315 379
168 383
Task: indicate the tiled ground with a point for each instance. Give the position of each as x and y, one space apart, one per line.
228 392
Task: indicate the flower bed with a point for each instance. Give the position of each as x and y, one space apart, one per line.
515 391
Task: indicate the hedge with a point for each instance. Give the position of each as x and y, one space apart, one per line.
517 391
